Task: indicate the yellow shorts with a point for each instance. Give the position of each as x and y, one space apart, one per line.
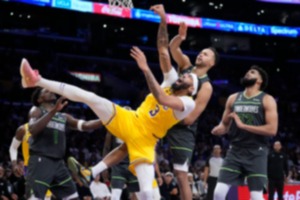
126 125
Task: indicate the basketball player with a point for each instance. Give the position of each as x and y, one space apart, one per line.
22 136
46 168
139 129
182 136
250 117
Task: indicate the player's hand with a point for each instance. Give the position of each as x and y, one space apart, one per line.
237 120
17 170
159 9
182 31
219 130
139 57
159 181
60 104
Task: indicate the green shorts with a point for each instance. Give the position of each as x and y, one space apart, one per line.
120 175
46 173
182 142
245 165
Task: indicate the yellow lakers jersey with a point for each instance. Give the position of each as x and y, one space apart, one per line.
156 118
25 144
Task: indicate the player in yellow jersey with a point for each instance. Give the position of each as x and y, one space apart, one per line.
140 130
22 136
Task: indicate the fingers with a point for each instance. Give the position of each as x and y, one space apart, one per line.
155 7
135 52
65 103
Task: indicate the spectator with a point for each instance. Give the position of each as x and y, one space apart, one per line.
212 170
277 171
99 190
169 189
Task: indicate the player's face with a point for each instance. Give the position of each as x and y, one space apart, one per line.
206 57
250 78
47 96
252 74
184 82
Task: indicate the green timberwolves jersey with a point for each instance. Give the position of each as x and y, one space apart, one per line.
251 112
201 80
51 142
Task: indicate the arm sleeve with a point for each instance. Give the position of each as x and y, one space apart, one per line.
13 149
169 78
189 106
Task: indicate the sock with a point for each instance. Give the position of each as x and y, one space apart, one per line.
69 91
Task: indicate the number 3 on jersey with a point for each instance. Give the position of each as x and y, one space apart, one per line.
154 111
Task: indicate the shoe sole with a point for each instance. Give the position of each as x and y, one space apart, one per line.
22 72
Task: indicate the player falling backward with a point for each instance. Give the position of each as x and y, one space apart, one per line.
141 129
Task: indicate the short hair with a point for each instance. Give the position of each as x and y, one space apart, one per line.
216 54
264 75
35 96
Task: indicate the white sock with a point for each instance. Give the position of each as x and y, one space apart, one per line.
97 169
221 191
116 194
103 108
256 195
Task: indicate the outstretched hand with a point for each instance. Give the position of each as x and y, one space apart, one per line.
182 31
159 9
60 104
139 57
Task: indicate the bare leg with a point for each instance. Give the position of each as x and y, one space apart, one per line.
183 183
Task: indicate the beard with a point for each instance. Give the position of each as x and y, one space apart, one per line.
248 82
181 86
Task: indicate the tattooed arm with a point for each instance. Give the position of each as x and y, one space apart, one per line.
163 39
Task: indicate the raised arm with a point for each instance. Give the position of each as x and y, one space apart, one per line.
162 39
271 119
13 150
162 98
180 58
37 121
223 127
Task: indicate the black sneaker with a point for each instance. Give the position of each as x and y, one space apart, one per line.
80 171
